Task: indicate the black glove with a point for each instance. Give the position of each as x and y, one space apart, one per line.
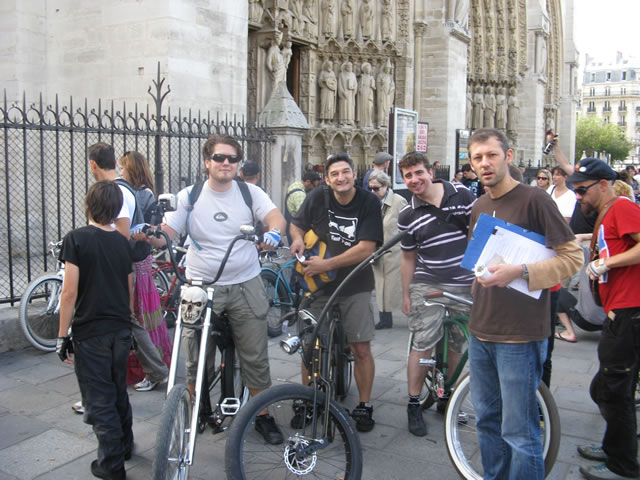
64 347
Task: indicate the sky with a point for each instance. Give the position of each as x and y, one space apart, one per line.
603 27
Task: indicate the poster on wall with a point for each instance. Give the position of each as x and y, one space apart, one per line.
423 137
403 140
462 147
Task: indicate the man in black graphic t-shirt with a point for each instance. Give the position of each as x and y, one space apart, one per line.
351 226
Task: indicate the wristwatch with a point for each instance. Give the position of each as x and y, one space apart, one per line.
525 272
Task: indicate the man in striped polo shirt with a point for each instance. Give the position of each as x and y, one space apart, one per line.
436 220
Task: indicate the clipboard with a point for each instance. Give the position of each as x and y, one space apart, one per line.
494 237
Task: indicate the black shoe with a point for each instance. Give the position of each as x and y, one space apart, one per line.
302 414
382 324
101 472
266 426
416 422
592 452
273 332
363 416
441 405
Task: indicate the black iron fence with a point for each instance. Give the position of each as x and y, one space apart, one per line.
45 173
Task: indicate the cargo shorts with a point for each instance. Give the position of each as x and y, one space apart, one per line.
426 322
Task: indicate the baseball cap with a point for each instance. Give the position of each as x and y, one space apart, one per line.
592 169
381 158
250 168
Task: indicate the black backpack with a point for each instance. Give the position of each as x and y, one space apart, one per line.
145 205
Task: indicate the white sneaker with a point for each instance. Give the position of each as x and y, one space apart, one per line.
78 408
145 385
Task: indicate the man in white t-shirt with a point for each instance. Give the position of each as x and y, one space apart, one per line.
102 163
213 220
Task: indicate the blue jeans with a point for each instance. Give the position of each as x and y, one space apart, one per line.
504 381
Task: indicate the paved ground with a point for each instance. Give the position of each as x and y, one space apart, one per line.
42 438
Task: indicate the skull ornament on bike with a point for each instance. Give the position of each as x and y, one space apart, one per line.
194 301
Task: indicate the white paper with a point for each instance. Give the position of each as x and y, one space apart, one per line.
514 249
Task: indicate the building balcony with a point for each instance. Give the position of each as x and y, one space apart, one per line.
622 109
591 110
606 109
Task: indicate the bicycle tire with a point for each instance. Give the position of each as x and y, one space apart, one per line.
167 300
161 281
169 461
341 368
461 439
279 301
342 458
39 311
234 384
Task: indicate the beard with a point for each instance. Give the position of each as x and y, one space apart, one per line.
587 209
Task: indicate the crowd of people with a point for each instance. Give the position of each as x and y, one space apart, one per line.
109 301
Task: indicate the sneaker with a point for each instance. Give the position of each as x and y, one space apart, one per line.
363 416
382 324
78 408
266 426
463 418
600 472
147 385
101 472
416 422
592 452
302 414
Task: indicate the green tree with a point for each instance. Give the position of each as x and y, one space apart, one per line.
594 135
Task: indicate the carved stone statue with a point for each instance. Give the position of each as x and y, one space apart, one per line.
489 108
459 11
478 107
365 97
347 18
386 88
513 111
329 20
541 55
386 25
468 117
347 89
296 9
287 53
501 109
366 19
275 60
255 10
310 18
328 84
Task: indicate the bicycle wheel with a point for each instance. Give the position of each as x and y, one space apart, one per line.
163 285
161 282
462 438
234 384
40 312
279 301
341 363
172 442
247 456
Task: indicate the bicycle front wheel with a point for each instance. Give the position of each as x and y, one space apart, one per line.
341 363
40 312
461 435
170 460
247 456
279 301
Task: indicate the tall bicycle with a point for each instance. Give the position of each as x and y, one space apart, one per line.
460 430
182 419
282 294
320 438
40 305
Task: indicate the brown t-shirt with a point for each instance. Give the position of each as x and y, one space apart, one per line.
503 314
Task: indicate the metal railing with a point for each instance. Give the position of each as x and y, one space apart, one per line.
45 173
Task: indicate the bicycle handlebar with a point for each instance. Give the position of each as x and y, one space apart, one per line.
246 233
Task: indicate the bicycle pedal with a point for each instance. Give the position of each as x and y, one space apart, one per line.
229 406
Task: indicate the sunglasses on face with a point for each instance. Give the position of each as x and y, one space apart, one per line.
542 178
220 157
582 190
374 189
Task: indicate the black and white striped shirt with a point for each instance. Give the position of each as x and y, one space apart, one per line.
440 245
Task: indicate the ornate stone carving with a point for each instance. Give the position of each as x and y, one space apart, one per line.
347 89
366 19
275 60
365 97
255 11
513 112
329 19
310 18
387 23
489 108
501 109
347 18
468 119
328 84
458 12
478 107
297 21
386 88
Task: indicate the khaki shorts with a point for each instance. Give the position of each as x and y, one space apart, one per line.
426 323
246 305
356 315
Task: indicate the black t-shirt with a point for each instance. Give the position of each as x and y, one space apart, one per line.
579 223
474 185
342 227
104 261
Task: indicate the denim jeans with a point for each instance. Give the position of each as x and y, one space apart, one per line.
101 367
504 381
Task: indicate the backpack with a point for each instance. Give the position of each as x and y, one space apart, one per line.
195 192
145 204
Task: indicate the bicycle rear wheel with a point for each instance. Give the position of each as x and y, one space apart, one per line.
461 435
247 456
40 312
341 369
170 459
279 301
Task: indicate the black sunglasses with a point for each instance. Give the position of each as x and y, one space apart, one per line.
542 178
374 189
220 157
582 190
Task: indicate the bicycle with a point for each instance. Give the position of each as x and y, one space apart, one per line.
459 419
182 419
282 297
320 438
168 286
40 305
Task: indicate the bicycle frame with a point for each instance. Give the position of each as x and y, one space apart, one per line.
279 271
